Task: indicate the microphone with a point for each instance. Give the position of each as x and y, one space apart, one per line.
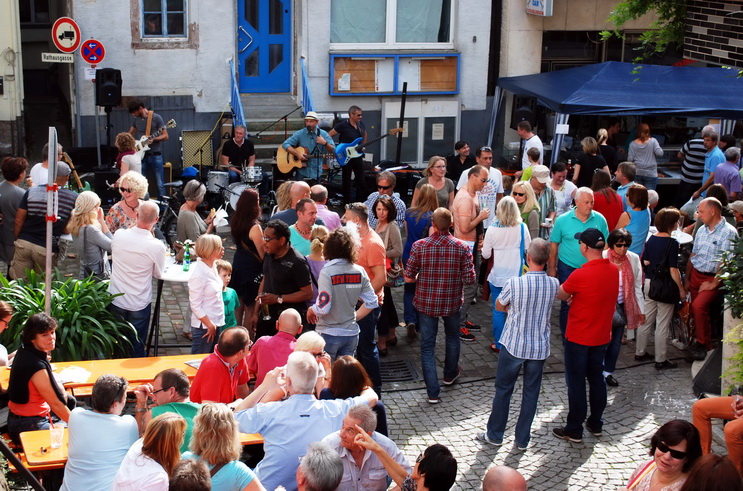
257 137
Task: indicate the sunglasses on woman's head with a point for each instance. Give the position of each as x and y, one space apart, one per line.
676 454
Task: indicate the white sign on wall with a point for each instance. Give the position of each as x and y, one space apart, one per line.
542 8
57 58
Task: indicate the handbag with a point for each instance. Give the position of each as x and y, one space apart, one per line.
662 287
393 268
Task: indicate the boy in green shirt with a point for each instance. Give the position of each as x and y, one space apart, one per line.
229 296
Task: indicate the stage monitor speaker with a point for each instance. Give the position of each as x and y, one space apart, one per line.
107 87
523 109
707 379
190 143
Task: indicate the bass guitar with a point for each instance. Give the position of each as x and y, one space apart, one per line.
286 161
144 143
346 151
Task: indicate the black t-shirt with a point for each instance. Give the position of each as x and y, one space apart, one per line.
455 167
588 165
347 133
610 155
286 275
655 247
238 156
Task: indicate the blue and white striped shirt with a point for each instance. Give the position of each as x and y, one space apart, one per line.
527 331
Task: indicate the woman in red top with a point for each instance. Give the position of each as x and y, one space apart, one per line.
605 200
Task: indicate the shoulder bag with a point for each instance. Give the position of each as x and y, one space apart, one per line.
662 287
394 268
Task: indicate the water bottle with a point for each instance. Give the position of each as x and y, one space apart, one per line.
186 259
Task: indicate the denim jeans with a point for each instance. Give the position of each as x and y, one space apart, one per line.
366 351
563 271
410 314
140 319
581 363
508 372
337 346
154 162
19 424
200 344
499 318
429 328
612 350
647 181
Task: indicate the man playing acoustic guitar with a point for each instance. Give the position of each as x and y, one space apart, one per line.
313 139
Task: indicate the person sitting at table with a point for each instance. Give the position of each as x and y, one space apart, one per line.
216 442
190 225
6 315
37 400
169 393
151 459
190 475
270 352
93 461
123 214
205 294
223 375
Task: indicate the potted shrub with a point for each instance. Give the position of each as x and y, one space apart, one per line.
86 330
732 280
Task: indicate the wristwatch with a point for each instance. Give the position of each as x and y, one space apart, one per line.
280 299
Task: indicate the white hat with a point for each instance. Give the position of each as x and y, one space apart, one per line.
541 173
311 115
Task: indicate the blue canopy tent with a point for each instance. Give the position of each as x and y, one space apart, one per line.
626 89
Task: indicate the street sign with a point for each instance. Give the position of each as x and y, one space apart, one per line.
66 35
93 51
57 58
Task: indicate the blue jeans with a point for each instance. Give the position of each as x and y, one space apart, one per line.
337 346
366 351
200 344
499 318
612 350
581 363
508 372
154 162
563 271
140 319
19 424
429 328
647 181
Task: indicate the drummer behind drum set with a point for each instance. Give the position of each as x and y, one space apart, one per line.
238 156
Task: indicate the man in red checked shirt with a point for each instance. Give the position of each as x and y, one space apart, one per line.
440 265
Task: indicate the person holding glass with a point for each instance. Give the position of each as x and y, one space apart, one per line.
91 236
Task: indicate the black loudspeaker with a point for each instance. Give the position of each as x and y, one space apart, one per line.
524 109
107 87
708 378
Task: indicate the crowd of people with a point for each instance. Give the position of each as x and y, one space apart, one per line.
304 312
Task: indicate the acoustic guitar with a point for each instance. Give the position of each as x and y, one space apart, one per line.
286 161
347 151
143 144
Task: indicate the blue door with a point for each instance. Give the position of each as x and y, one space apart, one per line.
263 45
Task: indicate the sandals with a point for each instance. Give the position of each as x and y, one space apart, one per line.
494 348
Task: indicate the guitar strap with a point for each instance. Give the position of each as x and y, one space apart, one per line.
149 123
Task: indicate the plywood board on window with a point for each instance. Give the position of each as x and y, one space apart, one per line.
438 75
363 74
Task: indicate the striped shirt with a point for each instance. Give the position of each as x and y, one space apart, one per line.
34 227
443 265
709 245
692 168
526 334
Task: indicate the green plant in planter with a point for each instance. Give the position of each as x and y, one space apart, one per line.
86 329
732 280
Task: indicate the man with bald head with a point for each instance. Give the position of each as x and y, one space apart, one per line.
137 257
298 191
713 238
503 478
319 194
270 352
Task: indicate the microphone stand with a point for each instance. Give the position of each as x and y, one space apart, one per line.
200 150
283 118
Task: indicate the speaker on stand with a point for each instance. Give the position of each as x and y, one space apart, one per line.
108 94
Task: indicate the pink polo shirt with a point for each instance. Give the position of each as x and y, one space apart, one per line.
270 352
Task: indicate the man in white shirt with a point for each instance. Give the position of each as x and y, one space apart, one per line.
137 257
39 174
492 192
523 128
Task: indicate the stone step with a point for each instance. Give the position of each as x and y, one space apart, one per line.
270 106
274 127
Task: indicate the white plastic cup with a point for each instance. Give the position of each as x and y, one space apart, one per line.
56 436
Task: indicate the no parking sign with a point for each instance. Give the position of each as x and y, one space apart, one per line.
93 51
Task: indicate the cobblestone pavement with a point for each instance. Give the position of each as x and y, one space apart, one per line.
644 400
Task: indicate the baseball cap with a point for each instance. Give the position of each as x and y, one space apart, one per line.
63 170
592 237
737 206
541 173
311 115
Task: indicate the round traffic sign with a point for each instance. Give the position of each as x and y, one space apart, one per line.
93 51
66 35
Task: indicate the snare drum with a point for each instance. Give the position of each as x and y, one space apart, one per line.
252 175
233 193
216 181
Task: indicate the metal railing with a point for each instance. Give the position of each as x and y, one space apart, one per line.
235 102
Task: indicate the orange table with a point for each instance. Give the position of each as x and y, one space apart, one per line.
34 441
136 370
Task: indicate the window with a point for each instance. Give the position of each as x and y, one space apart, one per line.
34 11
163 18
391 23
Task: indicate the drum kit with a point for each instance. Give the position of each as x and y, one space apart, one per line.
218 182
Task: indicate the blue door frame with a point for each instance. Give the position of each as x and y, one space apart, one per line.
264 45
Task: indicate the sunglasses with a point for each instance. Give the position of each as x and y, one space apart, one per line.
125 190
623 244
518 194
483 180
676 454
419 458
383 187
486 149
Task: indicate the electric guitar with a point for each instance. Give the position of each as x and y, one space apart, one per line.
286 161
346 151
144 143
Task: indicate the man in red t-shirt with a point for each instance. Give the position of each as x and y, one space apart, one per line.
223 376
592 292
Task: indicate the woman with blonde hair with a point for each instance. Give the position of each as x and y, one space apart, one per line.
283 198
435 175
216 442
91 236
127 160
588 162
643 151
606 150
149 462
526 200
205 294
123 214
505 241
